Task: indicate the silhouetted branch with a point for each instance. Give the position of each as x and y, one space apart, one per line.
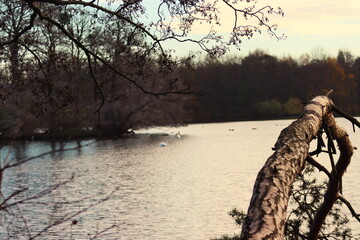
96 56
98 87
320 144
350 207
5 205
332 193
11 165
22 32
99 233
259 15
70 217
16 198
320 167
330 144
353 120
49 84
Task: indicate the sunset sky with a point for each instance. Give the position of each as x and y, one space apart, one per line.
311 27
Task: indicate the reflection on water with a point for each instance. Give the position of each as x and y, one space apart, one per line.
182 191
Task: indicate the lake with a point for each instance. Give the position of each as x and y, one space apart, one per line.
181 191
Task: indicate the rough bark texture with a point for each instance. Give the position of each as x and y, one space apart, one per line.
332 193
267 211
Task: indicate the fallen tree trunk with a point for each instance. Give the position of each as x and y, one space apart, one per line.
266 215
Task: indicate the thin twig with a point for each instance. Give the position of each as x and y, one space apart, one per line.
348 204
353 120
22 32
88 51
320 167
44 154
71 216
330 145
50 85
320 144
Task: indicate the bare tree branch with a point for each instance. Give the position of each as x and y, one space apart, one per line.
353 120
350 207
49 84
320 167
87 51
22 32
18 163
332 193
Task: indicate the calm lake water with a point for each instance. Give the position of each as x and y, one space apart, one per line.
182 191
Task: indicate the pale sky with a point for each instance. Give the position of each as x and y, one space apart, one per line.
310 26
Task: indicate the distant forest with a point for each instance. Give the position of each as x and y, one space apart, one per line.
75 71
59 99
261 86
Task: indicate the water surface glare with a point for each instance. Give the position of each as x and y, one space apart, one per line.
182 191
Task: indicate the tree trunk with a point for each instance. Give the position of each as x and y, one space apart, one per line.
15 65
332 193
267 211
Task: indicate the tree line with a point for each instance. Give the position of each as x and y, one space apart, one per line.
73 71
262 86
257 86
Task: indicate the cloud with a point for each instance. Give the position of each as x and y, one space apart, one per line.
321 17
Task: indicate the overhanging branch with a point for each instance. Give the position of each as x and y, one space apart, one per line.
22 32
350 207
89 52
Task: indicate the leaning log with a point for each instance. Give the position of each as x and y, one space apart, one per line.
266 215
